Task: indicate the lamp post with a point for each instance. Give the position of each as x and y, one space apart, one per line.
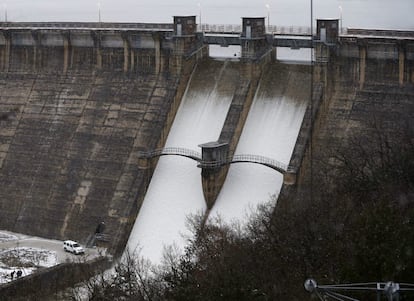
199 13
99 12
268 16
5 12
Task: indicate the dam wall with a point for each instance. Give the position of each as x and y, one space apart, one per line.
358 78
69 153
176 191
60 49
257 56
77 106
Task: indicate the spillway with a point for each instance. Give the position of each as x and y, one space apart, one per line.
271 130
175 190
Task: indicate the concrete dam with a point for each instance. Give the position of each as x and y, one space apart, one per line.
85 106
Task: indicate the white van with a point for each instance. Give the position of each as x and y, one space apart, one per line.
73 247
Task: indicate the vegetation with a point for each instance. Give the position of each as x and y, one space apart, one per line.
356 226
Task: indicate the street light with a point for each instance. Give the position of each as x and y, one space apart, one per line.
199 19
99 12
268 16
5 12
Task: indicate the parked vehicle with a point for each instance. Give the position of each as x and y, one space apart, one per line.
73 247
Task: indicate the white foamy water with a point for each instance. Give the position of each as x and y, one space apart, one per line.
271 130
175 190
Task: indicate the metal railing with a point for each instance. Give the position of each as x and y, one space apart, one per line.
246 158
261 160
237 29
88 25
381 32
178 151
206 28
289 30
255 159
220 28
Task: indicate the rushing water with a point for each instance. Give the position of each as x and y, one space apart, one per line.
270 130
175 190
273 122
395 14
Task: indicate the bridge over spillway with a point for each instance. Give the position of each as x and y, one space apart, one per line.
206 163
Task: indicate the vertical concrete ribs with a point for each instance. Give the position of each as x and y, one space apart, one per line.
87 99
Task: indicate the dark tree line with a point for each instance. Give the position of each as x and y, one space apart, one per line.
358 226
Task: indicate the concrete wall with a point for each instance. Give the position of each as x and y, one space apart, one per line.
69 148
44 283
64 49
76 108
354 82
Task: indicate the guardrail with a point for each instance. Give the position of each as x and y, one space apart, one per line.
381 32
206 28
247 158
255 159
88 25
179 151
261 160
272 29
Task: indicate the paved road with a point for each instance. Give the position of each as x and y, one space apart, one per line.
53 248
52 245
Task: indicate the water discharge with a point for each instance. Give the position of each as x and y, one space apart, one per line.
175 190
271 130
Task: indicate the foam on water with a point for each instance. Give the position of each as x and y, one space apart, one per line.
270 130
175 190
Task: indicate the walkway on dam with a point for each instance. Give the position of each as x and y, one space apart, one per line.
194 155
205 28
294 37
216 34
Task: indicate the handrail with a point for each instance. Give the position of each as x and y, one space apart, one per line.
206 28
180 151
189 153
261 160
88 25
236 28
